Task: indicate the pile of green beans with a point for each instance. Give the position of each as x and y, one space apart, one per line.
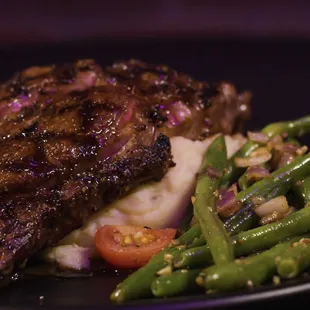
235 253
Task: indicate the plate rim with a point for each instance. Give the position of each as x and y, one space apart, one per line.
223 300
217 301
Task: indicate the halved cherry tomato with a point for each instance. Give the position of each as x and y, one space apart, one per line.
131 246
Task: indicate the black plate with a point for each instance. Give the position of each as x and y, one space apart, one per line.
278 74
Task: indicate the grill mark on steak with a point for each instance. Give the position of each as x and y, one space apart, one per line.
75 137
182 105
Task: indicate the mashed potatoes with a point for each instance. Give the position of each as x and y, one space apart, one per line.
157 205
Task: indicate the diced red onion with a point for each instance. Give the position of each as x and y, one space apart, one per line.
179 113
258 137
213 172
302 150
109 151
278 204
274 216
127 115
290 211
256 158
233 188
260 151
286 148
228 204
227 198
286 159
274 141
258 200
257 173
222 191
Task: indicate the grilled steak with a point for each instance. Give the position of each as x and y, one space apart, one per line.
75 137
183 105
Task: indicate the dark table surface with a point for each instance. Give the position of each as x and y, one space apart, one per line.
276 71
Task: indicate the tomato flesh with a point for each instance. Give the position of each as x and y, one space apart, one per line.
131 246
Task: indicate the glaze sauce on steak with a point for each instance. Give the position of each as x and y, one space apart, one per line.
75 137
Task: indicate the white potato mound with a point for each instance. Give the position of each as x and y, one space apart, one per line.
156 205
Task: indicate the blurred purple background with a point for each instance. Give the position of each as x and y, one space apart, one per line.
61 20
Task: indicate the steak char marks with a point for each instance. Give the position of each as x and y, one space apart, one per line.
186 107
75 137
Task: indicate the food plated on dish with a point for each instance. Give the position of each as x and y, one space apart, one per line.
148 169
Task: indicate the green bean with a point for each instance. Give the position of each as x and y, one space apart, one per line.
247 272
250 241
288 174
138 284
177 282
185 225
302 191
294 260
197 242
263 237
243 181
293 128
206 200
187 237
279 183
194 258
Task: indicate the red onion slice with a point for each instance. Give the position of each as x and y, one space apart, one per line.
258 200
228 205
260 151
278 204
256 158
127 115
274 141
233 188
109 151
286 148
286 159
290 211
178 113
302 150
274 216
213 172
258 137
257 173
